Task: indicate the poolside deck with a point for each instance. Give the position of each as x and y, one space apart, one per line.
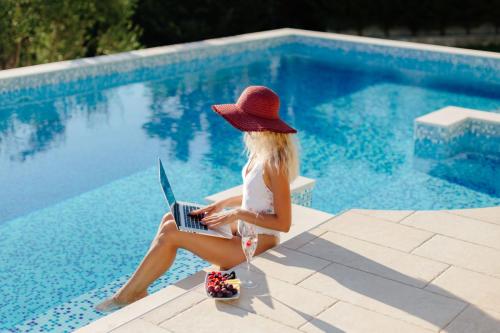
360 271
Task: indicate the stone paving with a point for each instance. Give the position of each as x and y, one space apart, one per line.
360 271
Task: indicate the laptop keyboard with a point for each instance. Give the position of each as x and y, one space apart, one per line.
193 221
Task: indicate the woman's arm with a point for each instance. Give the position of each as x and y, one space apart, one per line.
281 220
218 205
232 201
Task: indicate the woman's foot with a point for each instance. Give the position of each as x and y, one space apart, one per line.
117 301
109 305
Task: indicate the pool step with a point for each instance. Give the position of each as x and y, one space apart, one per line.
453 130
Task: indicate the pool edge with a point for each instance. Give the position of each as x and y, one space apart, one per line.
16 73
137 310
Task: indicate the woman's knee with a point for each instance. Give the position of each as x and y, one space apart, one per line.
167 233
167 217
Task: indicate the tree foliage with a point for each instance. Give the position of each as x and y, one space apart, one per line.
39 31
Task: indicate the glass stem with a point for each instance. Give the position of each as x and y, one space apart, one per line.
248 266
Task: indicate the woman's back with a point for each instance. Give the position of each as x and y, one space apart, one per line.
257 197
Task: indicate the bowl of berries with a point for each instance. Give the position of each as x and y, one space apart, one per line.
222 285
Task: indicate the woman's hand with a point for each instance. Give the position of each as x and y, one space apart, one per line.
217 220
208 210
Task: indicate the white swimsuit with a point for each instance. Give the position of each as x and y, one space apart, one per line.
257 197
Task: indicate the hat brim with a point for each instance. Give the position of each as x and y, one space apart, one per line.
250 123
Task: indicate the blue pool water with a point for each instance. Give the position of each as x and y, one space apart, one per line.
79 199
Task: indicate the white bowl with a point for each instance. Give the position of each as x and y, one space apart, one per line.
221 298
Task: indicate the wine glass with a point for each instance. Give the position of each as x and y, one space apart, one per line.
249 240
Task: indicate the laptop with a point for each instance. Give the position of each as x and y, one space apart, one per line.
180 211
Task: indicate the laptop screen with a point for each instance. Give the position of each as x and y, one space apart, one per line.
165 185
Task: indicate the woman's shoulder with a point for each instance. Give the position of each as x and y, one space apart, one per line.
274 171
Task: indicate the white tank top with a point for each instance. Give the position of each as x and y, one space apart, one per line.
257 197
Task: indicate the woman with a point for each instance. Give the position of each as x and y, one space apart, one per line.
272 165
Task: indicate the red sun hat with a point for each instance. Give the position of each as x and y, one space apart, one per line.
257 109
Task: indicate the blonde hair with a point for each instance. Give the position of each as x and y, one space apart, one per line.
279 150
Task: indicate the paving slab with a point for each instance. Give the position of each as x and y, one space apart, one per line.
377 231
345 317
278 300
383 261
475 320
464 284
210 316
303 238
456 226
389 215
172 308
304 219
357 272
487 214
140 326
394 299
308 216
463 254
287 265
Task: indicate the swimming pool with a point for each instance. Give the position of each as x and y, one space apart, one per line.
80 200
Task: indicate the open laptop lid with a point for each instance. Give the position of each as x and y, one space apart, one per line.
165 186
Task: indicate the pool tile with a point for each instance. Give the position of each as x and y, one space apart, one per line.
132 311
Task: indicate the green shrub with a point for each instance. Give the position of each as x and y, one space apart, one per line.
38 31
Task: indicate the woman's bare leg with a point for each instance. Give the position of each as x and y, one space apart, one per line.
157 260
219 251
129 293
